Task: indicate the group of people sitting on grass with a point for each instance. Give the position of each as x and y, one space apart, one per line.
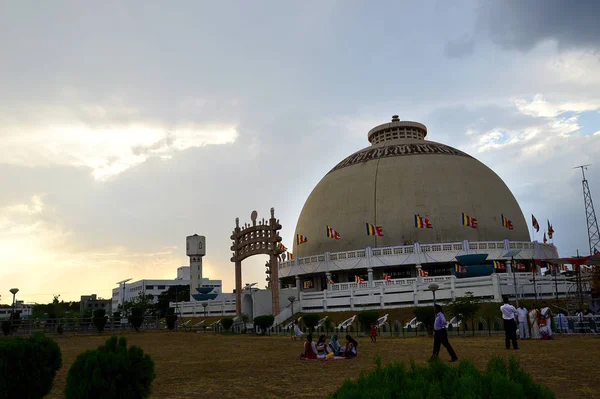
322 350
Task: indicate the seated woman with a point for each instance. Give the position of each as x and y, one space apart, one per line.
310 349
322 348
351 347
335 348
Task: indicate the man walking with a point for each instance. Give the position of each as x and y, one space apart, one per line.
523 324
440 335
510 326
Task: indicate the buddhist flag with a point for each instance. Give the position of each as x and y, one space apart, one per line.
535 223
520 267
359 280
422 223
545 240
460 269
290 256
499 265
423 273
550 230
469 221
507 223
331 233
282 247
373 230
300 239
386 277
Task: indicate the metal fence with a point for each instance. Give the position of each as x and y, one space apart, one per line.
79 325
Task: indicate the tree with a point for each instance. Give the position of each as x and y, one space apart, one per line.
100 319
426 316
171 318
227 322
244 318
311 320
367 317
465 307
264 322
175 293
137 318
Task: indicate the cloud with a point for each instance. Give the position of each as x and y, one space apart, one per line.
538 106
521 25
108 139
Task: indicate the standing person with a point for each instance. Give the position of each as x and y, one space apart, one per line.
373 333
297 332
534 322
523 324
510 326
546 314
440 335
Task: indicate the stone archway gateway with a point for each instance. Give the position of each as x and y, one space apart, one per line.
257 239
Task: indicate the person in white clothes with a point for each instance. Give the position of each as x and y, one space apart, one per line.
510 326
547 315
523 324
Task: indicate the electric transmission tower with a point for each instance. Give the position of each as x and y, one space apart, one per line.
590 214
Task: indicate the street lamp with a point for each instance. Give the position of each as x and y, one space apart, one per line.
12 316
433 287
205 304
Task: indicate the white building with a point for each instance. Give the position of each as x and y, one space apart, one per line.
25 310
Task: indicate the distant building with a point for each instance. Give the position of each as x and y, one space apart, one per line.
25 310
183 273
89 303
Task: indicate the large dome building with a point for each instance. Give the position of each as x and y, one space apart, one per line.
406 212
399 176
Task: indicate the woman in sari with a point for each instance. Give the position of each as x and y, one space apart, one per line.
310 348
534 322
335 347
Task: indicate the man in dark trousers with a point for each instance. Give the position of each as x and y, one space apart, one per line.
510 325
440 335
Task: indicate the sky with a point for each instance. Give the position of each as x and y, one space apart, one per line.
125 127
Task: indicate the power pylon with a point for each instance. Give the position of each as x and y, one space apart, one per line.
590 214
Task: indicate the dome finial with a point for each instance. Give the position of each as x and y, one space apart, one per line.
395 118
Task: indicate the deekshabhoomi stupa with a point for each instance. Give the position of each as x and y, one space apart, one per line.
405 212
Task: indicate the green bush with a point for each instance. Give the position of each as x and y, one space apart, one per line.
6 327
311 320
227 322
137 318
28 366
60 329
367 317
426 316
438 380
111 371
99 319
171 318
264 322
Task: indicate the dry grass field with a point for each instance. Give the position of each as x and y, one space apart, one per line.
198 365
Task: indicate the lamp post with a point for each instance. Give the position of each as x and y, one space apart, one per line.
433 287
12 316
205 304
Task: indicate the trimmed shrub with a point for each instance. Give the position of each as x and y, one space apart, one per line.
311 320
99 319
227 322
60 329
28 366
367 317
426 316
111 371
6 327
171 318
264 322
438 380
137 318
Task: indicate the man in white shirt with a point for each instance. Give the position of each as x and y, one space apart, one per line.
510 326
523 324
547 314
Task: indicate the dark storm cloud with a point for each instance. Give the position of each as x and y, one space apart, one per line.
523 24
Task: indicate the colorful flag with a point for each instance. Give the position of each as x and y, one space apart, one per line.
460 269
290 256
300 239
331 233
564 268
422 223
535 223
330 281
359 280
373 230
545 240
469 221
499 265
596 252
423 273
386 277
550 230
282 247
507 223
520 267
